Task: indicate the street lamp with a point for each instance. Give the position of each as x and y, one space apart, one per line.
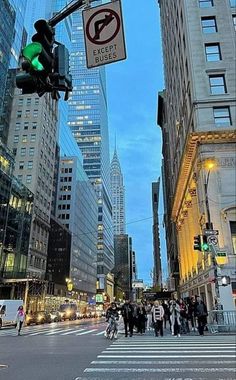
210 164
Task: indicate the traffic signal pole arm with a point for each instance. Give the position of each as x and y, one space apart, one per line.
67 11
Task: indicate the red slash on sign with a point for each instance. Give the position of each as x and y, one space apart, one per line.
104 22
97 24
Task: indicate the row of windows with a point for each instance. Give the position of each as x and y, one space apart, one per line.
28 101
66 170
26 125
22 164
209 24
210 3
27 114
64 216
65 179
25 138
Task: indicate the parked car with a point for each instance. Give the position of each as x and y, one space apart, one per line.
37 317
55 316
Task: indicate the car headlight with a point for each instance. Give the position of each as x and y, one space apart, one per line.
40 317
53 316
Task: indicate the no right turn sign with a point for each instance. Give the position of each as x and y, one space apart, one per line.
104 35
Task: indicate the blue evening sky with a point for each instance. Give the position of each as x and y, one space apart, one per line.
132 87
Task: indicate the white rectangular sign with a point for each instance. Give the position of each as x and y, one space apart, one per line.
104 34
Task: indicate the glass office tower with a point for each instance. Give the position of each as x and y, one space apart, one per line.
88 122
20 7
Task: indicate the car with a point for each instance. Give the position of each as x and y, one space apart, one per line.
55 316
37 317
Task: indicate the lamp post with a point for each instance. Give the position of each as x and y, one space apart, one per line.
211 164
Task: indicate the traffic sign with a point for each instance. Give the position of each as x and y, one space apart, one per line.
212 239
104 34
211 232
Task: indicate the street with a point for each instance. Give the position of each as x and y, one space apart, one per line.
77 350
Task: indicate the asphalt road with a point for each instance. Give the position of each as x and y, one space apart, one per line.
78 351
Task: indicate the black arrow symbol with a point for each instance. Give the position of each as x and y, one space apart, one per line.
99 25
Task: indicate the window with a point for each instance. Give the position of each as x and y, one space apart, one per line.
233 3
28 178
31 151
209 24
222 116
234 22
26 125
28 101
16 139
21 165
27 113
34 125
20 102
205 3
213 52
35 113
33 137
17 127
233 235
30 165
23 151
217 84
19 114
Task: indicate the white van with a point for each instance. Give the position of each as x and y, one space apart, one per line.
8 310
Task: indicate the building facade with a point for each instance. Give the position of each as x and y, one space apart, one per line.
77 210
7 21
123 266
32 139
19 7
88 122
157 272
118 196
197 115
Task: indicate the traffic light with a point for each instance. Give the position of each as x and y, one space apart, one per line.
62 80
197 243
43 42
205 244
37 65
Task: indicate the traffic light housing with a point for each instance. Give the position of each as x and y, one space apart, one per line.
62 79
205 244
44 38
197 246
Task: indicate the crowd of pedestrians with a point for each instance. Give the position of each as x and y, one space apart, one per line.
179 316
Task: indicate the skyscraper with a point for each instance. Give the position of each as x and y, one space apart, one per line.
88 122
118 196
20 7
197 115
157 275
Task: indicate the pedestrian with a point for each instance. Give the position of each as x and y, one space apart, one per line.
167 312
192 313
127 312
183 316
175 318
20 317
201 313
149 316
141 313
158 315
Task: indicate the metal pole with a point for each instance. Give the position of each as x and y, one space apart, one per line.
209 225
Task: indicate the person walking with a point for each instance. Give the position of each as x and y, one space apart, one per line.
201 313
167 313
183 316
149 316
158 315
20 317
175 318
127 312
141 313
192 313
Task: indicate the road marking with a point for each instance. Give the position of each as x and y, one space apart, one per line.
56 331
100 333
39 332
160 362
87 332
160 370
110 350
165 356
73 331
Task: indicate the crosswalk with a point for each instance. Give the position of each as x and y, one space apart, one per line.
166 358
56 330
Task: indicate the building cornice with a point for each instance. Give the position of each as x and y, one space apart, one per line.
193 141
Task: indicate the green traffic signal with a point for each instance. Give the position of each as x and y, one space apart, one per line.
205 245
31 52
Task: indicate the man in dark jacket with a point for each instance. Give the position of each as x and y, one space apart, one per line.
127 312
201 314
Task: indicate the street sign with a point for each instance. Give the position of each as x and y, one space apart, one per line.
221 258
104 34
212 239
211 232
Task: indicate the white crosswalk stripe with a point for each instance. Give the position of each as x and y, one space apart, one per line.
187 357
49 330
